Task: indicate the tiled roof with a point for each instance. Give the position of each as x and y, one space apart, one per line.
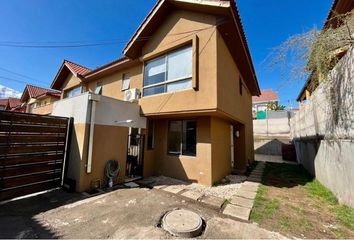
35 91
266 96
78 69
4 102
14 102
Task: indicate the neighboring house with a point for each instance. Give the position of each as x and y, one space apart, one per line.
338 7
12 104
259 103
4 103
39 100
188 80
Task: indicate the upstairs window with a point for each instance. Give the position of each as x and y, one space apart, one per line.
98 89
169 73
125 81
73 92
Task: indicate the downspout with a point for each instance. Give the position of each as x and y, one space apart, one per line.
94 99
232 147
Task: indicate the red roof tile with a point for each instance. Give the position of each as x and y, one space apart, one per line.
78 69
4 102
14 102
35 92
266 96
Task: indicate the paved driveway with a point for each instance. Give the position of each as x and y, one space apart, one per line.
123 213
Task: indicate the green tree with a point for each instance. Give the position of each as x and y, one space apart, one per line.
274 106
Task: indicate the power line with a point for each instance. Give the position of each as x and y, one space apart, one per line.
15 80
21 75
79 44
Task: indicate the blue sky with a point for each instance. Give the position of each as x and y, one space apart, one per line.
267 23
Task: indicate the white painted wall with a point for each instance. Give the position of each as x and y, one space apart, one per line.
108 111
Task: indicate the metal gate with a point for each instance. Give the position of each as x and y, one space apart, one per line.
32 152
135 156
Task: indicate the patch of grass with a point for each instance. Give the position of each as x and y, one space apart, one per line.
285 223
316 189
345 215
263 207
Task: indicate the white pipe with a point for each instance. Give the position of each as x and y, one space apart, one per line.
93 99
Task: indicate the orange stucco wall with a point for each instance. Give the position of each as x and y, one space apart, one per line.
110 143
238 107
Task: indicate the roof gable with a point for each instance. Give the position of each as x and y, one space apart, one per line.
66 68
230 28
36 92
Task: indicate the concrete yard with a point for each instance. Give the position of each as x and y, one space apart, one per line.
123 213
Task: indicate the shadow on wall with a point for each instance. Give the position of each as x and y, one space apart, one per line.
72 167
268 147
18 219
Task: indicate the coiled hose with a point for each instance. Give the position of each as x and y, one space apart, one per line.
111 171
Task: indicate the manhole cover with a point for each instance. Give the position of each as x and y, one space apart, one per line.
182 223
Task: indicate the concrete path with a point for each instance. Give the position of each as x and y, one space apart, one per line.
123 213
241 204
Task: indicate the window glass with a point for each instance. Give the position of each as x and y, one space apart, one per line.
182 137
175 86
125 81
179 64
169 73
189 138
73 92
174 137
155 71
153 90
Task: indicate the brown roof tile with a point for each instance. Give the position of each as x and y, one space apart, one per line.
266 96
78 69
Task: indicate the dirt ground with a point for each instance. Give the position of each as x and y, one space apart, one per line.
286 205
123 213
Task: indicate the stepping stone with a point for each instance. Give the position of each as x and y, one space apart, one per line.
252 184
250 188
174 189
215 202
192 195
131 185
246 194
237 212
242 202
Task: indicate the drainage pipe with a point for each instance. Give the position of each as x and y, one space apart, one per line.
232 146
93 98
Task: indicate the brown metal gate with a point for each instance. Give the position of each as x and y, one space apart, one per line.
32 153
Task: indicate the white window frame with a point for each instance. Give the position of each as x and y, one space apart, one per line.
165 83
71 89
125 85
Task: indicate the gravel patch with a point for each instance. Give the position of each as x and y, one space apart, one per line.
226 189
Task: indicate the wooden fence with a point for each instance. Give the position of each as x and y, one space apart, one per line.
32 152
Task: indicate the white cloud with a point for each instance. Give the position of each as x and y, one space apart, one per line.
6 92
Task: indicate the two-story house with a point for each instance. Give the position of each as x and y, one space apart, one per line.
39 100
189 74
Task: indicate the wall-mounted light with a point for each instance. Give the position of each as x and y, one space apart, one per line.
237 134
